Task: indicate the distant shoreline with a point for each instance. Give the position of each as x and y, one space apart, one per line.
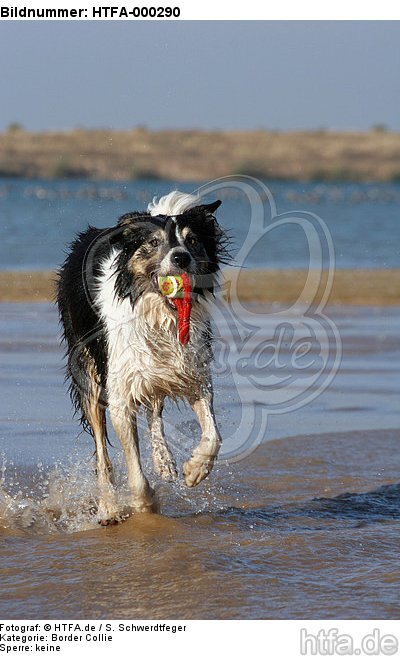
196 155
350 287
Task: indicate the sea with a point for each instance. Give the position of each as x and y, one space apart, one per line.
39 218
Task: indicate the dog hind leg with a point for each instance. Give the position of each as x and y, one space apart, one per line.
107 506
204 455
87 395
164 462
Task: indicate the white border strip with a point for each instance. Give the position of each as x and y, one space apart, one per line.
109 637
173 10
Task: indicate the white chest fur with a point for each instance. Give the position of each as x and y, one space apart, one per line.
145 358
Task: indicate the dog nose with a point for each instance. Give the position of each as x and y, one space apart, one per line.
181 258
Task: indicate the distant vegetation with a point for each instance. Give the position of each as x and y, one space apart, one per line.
195 155
15 127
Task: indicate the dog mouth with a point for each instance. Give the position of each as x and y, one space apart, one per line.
173 285
177 291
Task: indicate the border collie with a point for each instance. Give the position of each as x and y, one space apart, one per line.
131 345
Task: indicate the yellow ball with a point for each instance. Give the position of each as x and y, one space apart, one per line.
171 286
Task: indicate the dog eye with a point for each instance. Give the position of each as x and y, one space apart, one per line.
154 242
192 241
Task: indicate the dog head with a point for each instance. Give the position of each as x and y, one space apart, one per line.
152 245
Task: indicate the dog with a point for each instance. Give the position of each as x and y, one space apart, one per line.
126 346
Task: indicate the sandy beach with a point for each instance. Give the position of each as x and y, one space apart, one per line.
354 287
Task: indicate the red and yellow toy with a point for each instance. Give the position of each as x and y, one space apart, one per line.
178 289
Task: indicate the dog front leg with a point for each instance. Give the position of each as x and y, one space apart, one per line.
204 455
164 462
125 426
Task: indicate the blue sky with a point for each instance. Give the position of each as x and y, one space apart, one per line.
281 75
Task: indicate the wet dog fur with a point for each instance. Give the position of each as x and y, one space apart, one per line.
123 352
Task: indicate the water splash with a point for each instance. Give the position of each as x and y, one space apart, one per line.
63 497
40 499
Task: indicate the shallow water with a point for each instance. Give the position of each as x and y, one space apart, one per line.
41 216
306 526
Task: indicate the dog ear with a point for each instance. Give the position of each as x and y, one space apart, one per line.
202 211
211 208
129 230
116 235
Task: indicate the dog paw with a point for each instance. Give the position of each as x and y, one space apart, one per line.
147 504
164 464
197 469
108 516
110 521
167 470
107 510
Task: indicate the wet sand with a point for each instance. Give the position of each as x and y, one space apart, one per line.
304 527
350 286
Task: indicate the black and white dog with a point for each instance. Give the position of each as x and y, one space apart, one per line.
122 341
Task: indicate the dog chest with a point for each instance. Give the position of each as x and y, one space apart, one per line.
145 358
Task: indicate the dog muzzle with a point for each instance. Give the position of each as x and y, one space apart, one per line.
178 290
